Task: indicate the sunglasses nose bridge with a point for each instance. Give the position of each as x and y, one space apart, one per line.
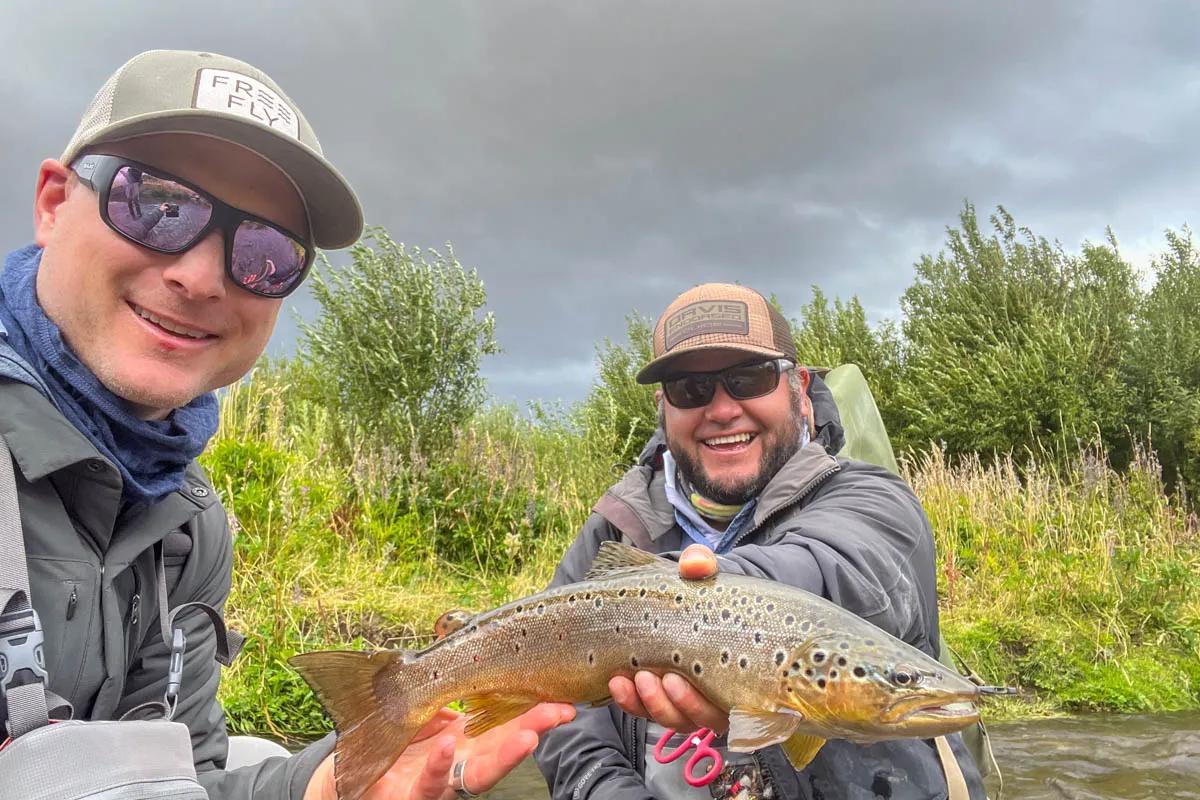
199 271
722 405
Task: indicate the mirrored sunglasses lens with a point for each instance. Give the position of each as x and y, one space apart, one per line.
266 260
690 391
750 381
154 211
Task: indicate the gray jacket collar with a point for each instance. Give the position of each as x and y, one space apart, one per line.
41 439
43 442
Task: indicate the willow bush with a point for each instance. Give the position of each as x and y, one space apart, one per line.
1012 344
398 343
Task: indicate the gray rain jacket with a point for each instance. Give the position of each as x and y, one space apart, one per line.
849 531
92 581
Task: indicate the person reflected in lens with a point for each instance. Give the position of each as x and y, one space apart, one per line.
131 186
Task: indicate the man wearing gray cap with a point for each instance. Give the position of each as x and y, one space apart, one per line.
745 463
187 205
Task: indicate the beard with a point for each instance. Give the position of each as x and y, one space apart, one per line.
778 446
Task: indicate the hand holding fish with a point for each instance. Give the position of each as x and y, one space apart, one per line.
423 770
671 701
788 667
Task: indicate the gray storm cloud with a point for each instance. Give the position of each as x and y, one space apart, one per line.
593 158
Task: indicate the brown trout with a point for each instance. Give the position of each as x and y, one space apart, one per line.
790 667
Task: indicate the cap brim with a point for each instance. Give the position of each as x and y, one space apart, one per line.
333 209
660 367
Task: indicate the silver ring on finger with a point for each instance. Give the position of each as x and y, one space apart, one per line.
457 782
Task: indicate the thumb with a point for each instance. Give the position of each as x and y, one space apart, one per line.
697 562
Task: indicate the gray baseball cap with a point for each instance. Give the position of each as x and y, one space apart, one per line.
180 91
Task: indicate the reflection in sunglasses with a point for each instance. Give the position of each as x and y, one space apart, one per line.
167 215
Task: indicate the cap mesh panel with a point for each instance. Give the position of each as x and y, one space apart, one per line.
98 113
782 333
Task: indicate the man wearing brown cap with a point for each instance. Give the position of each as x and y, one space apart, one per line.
188 204
745 463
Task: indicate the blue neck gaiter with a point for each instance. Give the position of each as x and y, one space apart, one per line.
152 455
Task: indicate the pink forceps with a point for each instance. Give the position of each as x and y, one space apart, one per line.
701 740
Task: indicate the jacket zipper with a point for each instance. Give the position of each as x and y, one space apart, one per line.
638 745
72 601
800 495
765 770
135 617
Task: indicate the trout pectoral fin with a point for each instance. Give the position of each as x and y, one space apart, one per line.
487 711
752 728
802 749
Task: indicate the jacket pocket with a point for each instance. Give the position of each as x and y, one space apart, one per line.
65 594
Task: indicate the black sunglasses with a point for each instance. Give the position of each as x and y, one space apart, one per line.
741 382
165 214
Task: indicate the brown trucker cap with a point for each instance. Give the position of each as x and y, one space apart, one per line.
181 91
718 316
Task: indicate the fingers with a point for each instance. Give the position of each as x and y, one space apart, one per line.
435 774
659 706
697 562
494 754
481 774
440 720
625 694
693 705
545 716
670 701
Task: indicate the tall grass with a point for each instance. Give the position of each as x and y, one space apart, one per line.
1077 584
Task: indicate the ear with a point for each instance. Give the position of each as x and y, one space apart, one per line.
658 397
806 405
52 191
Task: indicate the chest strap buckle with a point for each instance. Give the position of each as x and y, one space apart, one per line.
22 657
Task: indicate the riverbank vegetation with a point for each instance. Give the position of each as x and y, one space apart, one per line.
1044 403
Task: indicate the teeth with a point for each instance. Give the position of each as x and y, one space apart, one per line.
170 326
733 439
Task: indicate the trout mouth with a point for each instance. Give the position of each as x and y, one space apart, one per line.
931 713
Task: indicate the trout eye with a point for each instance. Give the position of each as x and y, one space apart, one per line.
902 676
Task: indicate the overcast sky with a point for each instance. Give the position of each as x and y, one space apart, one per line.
592 158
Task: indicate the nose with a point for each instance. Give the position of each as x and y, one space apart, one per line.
199 272
722 409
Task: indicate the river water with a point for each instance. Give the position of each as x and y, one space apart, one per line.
1110 757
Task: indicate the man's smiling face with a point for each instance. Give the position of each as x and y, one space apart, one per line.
158 330
729 449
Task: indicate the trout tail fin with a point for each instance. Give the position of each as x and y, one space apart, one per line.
370 736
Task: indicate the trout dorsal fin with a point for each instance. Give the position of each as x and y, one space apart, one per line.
616 558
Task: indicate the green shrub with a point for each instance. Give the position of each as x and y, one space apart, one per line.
619 414
1014 345
830 336
398 343
1163 367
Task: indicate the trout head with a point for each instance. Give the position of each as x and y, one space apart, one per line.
874 689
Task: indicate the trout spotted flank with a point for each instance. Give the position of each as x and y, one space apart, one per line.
790 667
